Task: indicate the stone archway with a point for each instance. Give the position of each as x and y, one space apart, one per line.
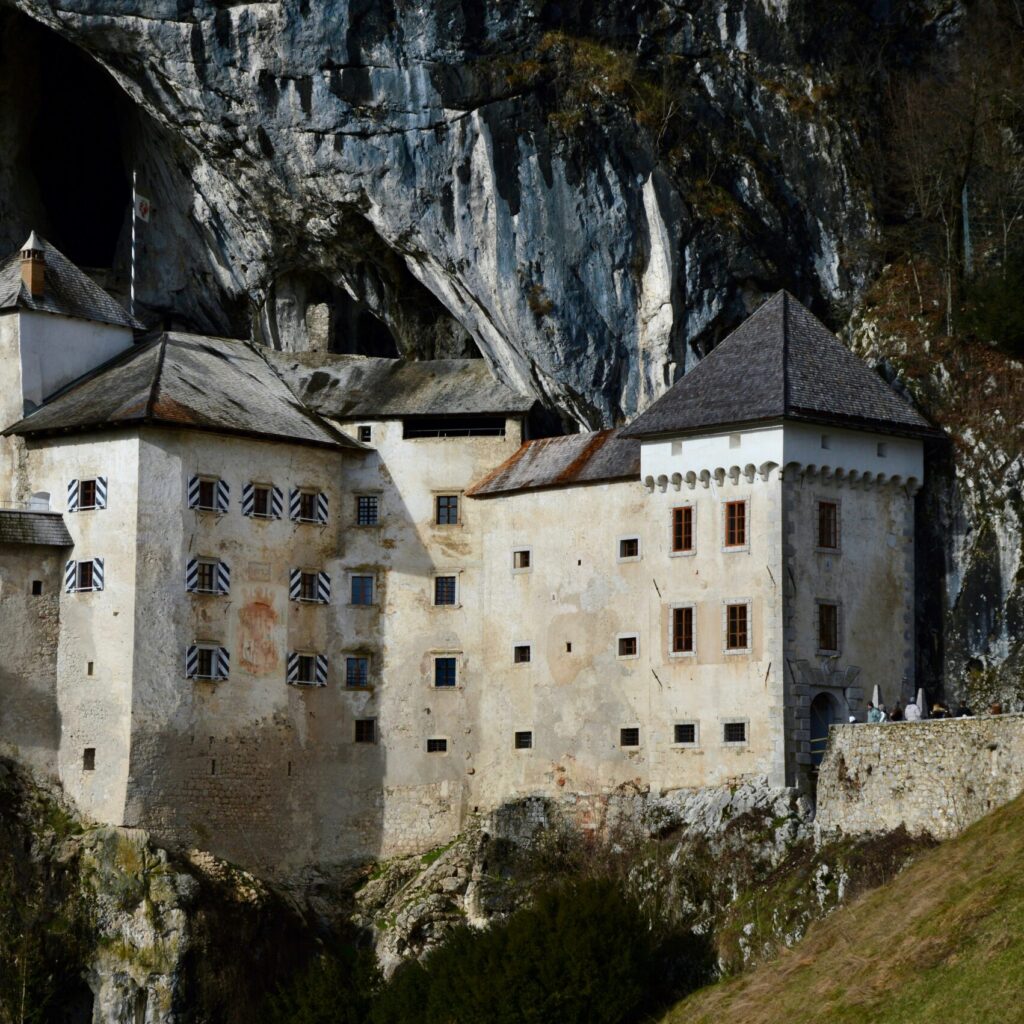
825 711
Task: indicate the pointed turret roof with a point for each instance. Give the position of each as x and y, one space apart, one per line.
187 381
68 292
780 363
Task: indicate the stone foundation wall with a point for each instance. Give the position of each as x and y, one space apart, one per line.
935 776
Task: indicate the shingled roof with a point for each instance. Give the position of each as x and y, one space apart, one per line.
44 528
347 387
185 380
564 461
67 292
782 362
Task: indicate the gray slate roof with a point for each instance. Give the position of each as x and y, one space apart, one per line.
780 362
185 380
562 462
45 528
365 387
67 290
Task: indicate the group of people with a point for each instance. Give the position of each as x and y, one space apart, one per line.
912 712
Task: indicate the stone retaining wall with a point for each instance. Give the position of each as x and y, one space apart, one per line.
935 776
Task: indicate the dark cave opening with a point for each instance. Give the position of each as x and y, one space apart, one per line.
74 150
357 331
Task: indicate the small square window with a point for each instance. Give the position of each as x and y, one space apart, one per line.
734 732
521 654
677 447
86 494
367 509
685 734
629 646
366 730
208 495
261 502
37 588
307 506
735 440
524 741
883 449
445 590
446 672
629 737
357 672
365 433
826 441
89 759
521 559
735 524
629 547
362 590
436 745
446 510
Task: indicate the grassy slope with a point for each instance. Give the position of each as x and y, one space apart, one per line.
944 941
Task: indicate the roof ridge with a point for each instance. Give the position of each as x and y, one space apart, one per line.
157 373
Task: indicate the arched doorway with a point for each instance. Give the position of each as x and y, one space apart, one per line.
824 711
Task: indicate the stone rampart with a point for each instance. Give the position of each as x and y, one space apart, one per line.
933 777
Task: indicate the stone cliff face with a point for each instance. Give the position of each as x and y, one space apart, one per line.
586 193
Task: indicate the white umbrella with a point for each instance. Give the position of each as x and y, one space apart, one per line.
921 703
876 695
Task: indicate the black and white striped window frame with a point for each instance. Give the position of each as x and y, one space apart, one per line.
275 509
215 568
321 590
83 576
306 669
76 493
220 494
318 500
219 662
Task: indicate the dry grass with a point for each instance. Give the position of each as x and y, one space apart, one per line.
943 942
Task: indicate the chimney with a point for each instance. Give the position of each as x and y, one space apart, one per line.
33 266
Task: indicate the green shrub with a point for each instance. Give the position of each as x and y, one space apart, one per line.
581 954
335 988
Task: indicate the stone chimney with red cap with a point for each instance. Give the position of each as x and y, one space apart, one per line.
33 266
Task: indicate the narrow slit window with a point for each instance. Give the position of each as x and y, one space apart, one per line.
682 528
89 759
735 524
682 630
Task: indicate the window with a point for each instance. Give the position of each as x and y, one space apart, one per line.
826 441
366 730
682 529
89 759
523 741
629 737
682 630
437 746
453 426
734 732
307 506
521 559
677 447
446 669
362 590
89 668
735 440
307 586
684 734
83 495
882 449
629 548
737 627
357 671
208 494
735 524
629 646
262 501
367 509
445 590
83 576
206 661
37 588
446 510
828 525
307 669
207 576
521 654
310 586
365 433
828 626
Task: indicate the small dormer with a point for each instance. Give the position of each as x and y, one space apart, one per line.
55 326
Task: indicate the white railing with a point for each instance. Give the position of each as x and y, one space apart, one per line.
36 505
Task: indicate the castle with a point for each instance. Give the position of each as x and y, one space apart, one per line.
306 608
